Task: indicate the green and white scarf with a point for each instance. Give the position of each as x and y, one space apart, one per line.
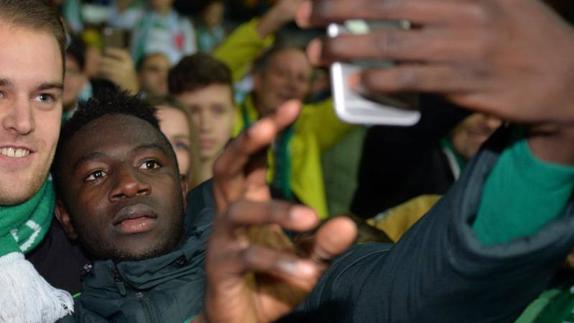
25 296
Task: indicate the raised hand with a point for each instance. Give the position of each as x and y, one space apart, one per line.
117 67
254 273
282 13
508 58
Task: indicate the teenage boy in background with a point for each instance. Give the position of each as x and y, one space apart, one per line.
203 86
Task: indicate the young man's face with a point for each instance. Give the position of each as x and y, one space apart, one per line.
287 76
213 113
212 15
31 72
153 75
121 192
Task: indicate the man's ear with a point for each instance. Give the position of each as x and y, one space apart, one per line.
64 218
184 191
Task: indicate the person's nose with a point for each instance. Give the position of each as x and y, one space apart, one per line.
20 117
128 184
205 121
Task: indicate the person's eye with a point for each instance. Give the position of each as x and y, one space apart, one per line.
45 98
181 146
150 164
95 175
219 109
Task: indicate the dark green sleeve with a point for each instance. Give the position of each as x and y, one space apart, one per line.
521 195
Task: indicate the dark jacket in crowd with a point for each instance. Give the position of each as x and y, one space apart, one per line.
168 288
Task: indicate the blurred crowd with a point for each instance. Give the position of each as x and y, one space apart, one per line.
223 64
463 201
213 67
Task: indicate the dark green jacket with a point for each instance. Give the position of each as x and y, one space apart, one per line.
168 288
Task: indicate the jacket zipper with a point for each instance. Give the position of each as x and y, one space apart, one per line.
148 308
119 282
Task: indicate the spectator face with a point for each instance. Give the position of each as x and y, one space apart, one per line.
153 75
286 76
161 5
213 113
31 79
122 189
472 132
175 126
74 82
212 15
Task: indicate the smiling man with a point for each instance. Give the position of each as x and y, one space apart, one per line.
31 80
121 197
279 75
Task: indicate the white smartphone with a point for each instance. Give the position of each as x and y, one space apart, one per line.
353 107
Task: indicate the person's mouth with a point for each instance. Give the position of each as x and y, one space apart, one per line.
15 157
15 152
206 143
138 218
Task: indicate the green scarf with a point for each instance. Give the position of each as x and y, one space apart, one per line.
23 226
282 172
281 181
25 296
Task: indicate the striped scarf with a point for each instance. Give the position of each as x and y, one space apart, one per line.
25 296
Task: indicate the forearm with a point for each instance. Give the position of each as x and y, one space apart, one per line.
272 21
242 47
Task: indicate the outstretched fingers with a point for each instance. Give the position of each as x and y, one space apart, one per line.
332 239
322 12
241 167
285 214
